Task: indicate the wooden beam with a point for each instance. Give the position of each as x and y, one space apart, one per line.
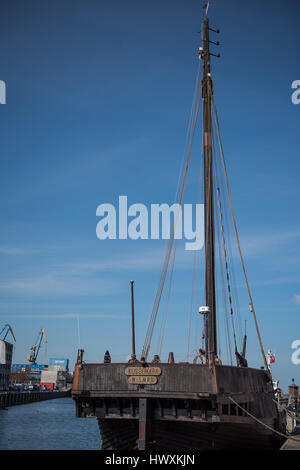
144 424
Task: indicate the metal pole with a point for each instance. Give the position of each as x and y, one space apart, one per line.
133 356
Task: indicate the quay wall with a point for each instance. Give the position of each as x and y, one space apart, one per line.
20 398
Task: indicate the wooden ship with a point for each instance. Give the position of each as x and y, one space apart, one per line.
148 404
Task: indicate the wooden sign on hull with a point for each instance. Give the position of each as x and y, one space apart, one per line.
142 379
143 371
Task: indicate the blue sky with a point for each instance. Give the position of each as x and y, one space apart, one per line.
98 101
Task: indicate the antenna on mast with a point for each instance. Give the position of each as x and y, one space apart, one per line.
206 6
78 331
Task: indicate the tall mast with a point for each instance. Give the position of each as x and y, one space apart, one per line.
210 289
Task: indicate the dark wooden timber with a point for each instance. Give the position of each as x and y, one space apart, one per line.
133 355
144 423
210 294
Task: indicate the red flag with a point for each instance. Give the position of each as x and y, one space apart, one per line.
271 358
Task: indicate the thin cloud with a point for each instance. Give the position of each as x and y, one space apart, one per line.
297 299
275 281
65 176
266 242
67 315
60 286
140 261
5 250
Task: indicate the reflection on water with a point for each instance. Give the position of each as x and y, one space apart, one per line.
47 425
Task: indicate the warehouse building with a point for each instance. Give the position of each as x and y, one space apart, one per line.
6 351
56 377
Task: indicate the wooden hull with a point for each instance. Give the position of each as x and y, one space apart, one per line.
188 407
116 435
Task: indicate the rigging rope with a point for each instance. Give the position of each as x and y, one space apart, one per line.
234 311
149 333
188 133
170 246
236 233
191 309
200 254
198 300
164 319
191 118
226 266
261 422
231 270
229 267
226 314
228 342
195 264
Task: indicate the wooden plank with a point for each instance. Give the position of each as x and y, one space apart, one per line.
174 378
144 424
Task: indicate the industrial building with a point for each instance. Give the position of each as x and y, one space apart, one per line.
29 367
31 375
57 375
6 351
54 375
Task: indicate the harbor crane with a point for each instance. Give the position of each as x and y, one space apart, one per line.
32 357
5 330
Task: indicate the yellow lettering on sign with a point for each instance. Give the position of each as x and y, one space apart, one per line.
142 380
143 371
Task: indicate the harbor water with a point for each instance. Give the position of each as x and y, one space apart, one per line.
47 425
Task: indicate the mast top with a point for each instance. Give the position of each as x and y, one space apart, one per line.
205 41
206 9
